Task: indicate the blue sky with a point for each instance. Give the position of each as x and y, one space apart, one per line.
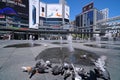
76 6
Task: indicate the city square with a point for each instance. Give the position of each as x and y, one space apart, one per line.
12 59
64 40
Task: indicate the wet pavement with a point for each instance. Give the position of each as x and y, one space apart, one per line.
12 59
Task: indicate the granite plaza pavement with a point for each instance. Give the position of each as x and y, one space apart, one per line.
12 59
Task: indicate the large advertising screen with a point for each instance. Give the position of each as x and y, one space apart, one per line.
23 7
67 12
20 6
42 9
54 11
33 14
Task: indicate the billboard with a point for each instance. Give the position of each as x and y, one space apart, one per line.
33 14
88 7
42 9
54 11
20 6
67 12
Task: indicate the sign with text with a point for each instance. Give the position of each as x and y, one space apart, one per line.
88 7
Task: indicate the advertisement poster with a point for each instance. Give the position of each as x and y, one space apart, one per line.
33 14
54 11
67 12
42 9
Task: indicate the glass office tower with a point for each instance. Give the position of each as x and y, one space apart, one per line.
87 20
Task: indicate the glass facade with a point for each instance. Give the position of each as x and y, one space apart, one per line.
81 20
87 19
54 21
100 15
77 21
90 18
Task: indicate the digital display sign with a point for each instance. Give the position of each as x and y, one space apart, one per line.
20 6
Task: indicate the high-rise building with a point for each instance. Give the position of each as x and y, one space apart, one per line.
87 20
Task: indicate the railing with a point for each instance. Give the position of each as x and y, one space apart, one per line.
13 23
109 19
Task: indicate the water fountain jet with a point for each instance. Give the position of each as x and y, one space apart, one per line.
31 41
98 42
69 39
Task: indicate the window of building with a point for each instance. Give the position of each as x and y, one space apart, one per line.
90 18
99 15
77 21
43 9
81 20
